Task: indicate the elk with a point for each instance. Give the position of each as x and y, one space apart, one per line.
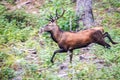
68 41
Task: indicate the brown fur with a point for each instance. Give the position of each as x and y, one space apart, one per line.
99 28
68 41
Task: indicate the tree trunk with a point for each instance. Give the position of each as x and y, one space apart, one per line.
85 17
84 13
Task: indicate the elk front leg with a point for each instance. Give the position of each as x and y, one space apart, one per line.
57 51
70 55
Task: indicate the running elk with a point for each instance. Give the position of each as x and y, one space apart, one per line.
68 41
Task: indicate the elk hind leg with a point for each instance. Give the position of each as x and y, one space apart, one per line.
106 34
103 43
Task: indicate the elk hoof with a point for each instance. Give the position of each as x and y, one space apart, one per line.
108 47
114 43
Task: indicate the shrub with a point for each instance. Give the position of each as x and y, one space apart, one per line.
6 73
15 26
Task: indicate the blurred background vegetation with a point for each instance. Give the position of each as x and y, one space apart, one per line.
25 54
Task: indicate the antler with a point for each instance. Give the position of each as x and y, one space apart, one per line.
52 19
57 17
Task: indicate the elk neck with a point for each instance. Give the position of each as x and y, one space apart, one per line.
56 34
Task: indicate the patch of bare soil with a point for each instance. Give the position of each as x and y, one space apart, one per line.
91 58
30 6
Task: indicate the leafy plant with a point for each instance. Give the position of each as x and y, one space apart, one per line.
114 3
6 73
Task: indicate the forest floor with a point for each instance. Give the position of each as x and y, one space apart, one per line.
86 58
31 6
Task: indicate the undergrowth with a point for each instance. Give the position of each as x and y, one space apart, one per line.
19 33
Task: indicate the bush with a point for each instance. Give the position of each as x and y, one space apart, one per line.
6 73
15 26
11 1
114 3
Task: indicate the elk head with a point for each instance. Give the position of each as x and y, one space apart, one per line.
52 22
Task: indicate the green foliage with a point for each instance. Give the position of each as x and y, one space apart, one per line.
115 3
6 59
3 56
107 4
20 18
2 9
15 26
6 73
11 1
19 33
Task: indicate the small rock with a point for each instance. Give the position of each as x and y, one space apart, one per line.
81 58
